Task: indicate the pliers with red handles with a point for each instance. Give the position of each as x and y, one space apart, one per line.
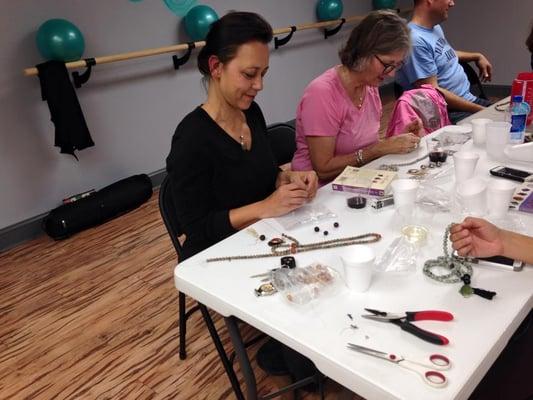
404 322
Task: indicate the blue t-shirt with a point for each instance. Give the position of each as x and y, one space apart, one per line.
433 56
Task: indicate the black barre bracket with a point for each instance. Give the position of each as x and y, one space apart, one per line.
179 61
331 32
81 79
282 42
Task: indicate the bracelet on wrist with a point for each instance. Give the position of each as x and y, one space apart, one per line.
359 159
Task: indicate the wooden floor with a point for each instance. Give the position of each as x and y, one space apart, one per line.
96 317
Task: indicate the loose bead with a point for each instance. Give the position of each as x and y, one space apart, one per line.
262 237
275 242
317 229
326 233
336 224
293 248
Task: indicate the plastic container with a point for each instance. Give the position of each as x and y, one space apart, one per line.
519 111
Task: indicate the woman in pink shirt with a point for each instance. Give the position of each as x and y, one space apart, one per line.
337 120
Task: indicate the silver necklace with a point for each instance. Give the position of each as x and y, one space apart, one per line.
394 167
243 143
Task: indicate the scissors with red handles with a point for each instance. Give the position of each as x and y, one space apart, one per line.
429 370
404 322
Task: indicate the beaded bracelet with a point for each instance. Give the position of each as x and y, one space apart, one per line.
359 157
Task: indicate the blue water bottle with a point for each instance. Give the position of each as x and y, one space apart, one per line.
519 112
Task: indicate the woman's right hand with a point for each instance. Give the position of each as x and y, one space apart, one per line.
285 198
400 144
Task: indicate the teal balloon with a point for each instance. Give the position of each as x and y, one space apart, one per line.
384 4
326 10
180 7
198 21
59 39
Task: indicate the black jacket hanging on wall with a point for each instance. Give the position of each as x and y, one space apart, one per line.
65 111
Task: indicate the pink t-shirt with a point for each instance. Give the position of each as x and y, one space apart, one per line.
326 110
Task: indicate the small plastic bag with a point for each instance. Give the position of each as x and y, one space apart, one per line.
400 257
301 285
310 213
439 175
455 134
433 198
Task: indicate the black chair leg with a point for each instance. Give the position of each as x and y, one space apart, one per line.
183 325
221 352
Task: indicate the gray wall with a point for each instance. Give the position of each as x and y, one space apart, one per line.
496 28
132 107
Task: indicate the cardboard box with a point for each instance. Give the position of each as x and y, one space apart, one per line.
364 180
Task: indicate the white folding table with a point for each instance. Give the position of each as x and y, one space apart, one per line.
320 330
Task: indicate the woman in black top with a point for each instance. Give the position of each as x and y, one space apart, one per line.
223 174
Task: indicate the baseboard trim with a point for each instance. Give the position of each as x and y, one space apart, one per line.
31 228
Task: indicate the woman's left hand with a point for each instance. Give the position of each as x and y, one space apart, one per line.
306 180
414 127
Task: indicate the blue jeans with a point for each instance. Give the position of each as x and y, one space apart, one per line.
456 116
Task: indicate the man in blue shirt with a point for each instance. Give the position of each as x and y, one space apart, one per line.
433 61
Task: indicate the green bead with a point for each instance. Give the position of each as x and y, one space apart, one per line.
466 290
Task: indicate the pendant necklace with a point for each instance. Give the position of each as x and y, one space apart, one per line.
359 103
460 271
243 143
279 247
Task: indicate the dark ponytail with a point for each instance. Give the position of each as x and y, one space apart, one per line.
228 33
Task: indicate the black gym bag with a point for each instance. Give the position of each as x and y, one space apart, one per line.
107 203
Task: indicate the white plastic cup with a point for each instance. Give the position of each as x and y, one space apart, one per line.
358 264
473 196
464 164
479 130
497 137
499 195
404 192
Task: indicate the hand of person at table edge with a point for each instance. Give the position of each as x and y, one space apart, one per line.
306 180
475 237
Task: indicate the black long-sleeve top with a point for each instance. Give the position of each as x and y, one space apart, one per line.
211 174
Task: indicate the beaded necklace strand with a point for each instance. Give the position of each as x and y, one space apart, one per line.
284 249
460 270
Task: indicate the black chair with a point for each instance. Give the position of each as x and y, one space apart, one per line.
282 137
168 214
398 90
476 87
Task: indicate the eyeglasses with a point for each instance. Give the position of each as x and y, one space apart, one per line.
388 68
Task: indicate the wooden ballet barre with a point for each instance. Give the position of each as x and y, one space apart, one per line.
123 56
186 46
